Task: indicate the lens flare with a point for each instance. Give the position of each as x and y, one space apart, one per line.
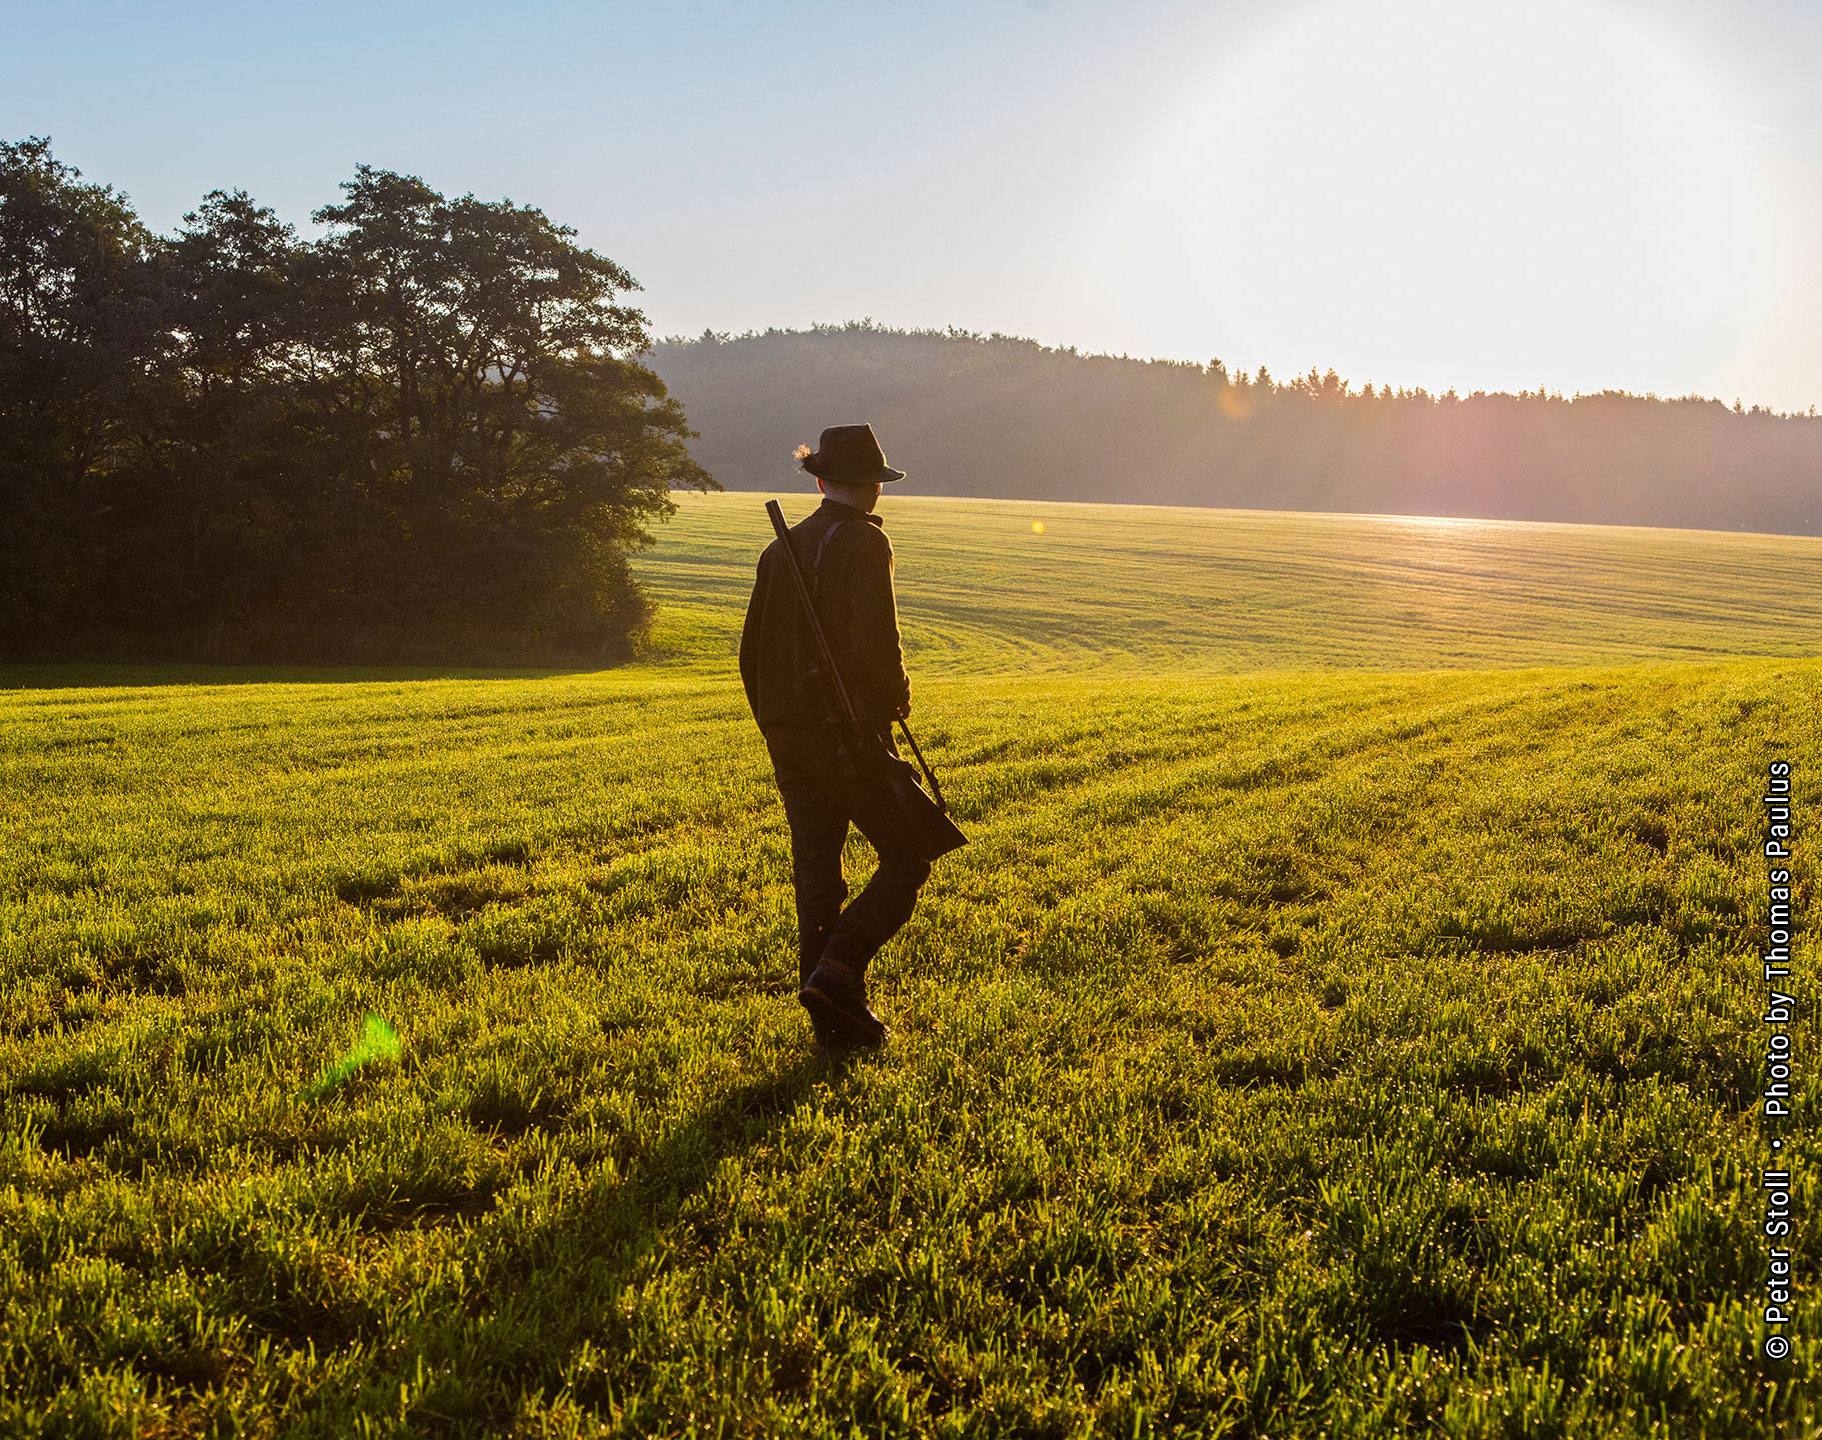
1454 195
376 1042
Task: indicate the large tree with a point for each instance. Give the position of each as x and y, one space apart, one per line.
501 448
211 507
78 324
426 434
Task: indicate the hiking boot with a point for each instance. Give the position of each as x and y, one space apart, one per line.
836 998
826 1036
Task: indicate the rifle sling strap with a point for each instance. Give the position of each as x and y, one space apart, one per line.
822 549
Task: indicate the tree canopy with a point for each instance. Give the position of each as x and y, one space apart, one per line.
425 434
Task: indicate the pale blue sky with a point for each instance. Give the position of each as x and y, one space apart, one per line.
986 165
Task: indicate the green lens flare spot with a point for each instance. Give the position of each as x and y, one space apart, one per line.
378 1042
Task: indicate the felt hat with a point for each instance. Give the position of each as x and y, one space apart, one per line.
849 455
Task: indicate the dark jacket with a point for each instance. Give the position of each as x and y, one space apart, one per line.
847 562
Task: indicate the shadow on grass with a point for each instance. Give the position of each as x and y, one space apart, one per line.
560 1282
122 675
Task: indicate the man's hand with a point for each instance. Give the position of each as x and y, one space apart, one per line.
903 712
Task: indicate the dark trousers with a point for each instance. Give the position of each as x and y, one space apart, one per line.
820 802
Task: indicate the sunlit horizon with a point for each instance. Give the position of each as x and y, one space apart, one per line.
1454 198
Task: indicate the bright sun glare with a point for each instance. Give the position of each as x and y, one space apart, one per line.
1453 194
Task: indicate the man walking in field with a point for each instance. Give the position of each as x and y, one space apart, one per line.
846 562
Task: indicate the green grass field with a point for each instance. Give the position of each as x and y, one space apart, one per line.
1138 588
1344 1021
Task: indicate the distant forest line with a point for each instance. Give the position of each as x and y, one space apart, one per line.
999 417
